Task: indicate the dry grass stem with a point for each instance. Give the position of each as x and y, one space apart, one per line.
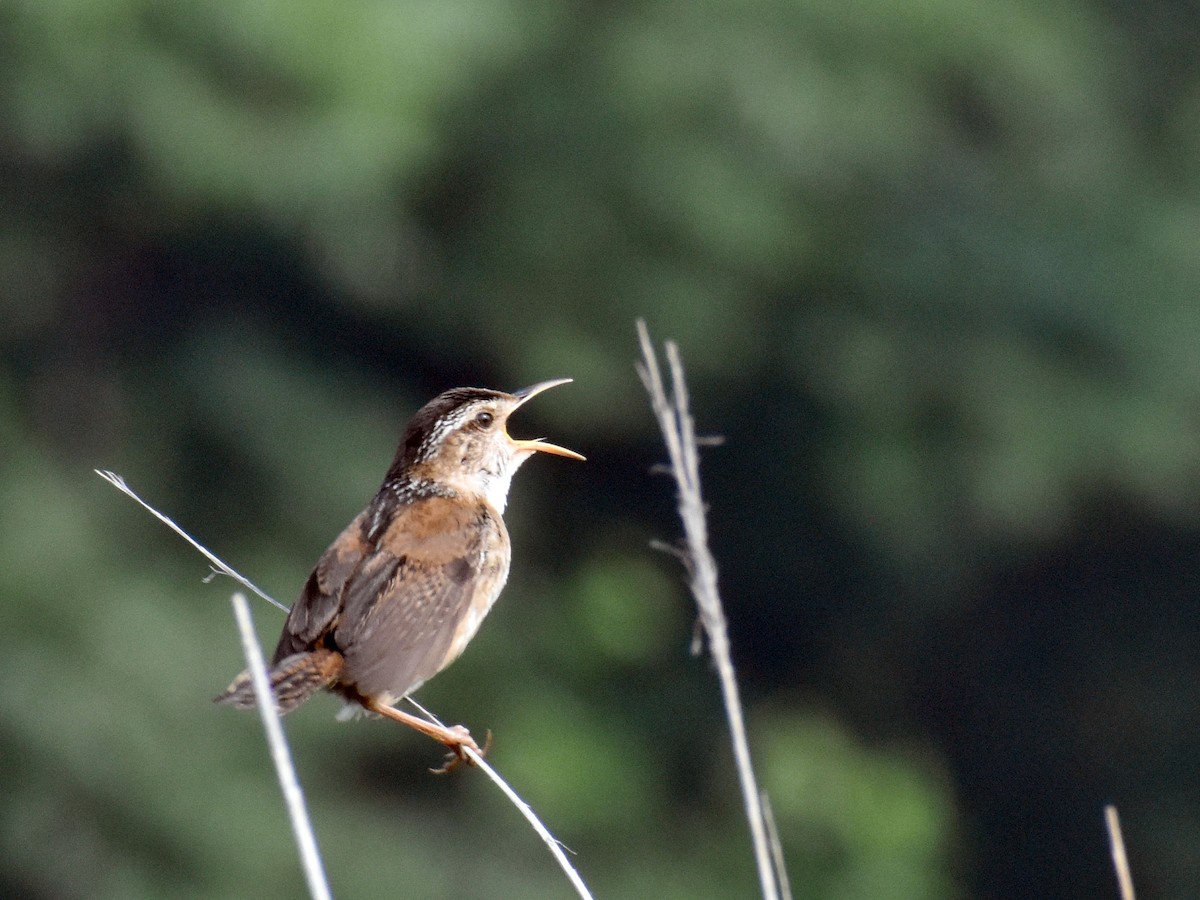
554 845
679 432
217 565
1120 861
557 848
306 840
785 886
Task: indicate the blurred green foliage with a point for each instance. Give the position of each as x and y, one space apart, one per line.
933 267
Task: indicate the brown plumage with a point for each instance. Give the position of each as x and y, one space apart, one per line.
403 589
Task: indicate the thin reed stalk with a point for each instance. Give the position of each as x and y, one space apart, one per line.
679 432
281 755
1116 843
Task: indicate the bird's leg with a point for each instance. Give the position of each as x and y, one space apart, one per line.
456 737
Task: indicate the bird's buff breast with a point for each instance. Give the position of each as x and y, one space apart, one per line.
497 564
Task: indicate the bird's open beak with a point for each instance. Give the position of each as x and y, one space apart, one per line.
537 444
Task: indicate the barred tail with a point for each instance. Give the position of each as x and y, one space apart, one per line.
293 680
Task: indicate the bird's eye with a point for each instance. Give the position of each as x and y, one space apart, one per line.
484 419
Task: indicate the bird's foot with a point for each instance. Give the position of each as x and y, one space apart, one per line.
456 737
461 741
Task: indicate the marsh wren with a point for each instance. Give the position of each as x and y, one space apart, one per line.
397 597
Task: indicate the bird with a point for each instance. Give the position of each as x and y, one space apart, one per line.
401 591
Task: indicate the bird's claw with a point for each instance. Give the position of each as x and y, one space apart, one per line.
458 750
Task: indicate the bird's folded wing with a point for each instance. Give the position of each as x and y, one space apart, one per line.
404 604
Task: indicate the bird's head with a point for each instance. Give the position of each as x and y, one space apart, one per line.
460 440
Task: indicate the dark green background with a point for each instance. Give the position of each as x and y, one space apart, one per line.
935 271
